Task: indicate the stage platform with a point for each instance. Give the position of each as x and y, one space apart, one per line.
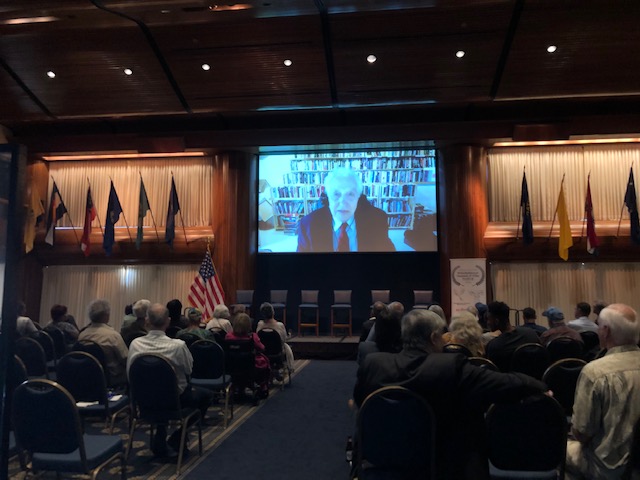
324 347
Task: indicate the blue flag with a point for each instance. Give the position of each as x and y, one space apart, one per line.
631 202
114 209
172 211
527 224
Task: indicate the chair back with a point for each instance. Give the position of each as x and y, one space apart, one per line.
561 378
153 387
309 297
59 341
422 298
529 435
591 345
457 348
380 296
483 363
278 297
46 342
342 297
240 358
219 336
96 350
244 297
45 418
272 343
208 359
172 331
32 355
189 338
82 375
16 374
396 435
530 358
564 347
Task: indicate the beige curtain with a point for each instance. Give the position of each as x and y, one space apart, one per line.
192 177
608 164
76 286
563 285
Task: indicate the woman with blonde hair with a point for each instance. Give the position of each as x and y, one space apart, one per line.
464 329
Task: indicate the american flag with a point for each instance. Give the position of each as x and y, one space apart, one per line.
206 291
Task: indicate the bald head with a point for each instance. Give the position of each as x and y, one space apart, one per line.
422 330
618 325
158 316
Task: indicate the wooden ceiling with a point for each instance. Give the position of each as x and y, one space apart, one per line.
506 66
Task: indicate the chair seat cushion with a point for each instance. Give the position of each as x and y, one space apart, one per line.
278 305
525 474
341 305
98 449
308 305
98 409
212 383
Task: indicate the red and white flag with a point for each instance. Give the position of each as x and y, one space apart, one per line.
89 216
206 291
592 238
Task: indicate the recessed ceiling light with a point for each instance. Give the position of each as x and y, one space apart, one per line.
51 74
206 67
287 63
551 48
460 53
372 58
164 12
128 71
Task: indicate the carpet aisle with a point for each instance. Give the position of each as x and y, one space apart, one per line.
299 433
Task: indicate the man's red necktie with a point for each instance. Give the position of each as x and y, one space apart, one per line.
343 239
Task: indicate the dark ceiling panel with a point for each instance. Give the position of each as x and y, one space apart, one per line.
16 104
598 50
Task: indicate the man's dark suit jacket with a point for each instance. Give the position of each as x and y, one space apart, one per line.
459 394
315 231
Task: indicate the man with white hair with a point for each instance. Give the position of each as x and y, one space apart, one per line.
137 328
349 223
458 392
607 400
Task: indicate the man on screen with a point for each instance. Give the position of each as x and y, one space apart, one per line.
349 223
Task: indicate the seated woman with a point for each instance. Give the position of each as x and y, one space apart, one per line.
242 331
195 316
267 312
465 330
59 321
220 321
387 335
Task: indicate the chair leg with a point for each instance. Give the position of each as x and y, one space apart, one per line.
299 321
130 443
317 322
332 320
183 436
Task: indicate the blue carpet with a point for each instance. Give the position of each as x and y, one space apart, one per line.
299 433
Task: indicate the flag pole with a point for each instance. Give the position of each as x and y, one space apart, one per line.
184 230
622 211
520 207
556 212
584 218
97 216
155 226
68 215
124 218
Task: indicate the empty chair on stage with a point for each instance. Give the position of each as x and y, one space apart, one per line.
309 305
422 298
245 297
278 300
341 312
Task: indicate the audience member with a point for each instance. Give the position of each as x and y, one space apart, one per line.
58 316
177 353
195 317
129 317
529 315
268 313
439 311
111 342
557 327
395 308
458 392
242 331
366 326
175 314
138 327
464 329
598 306
474 311
500 349
607 400
24 325
387 336
482 315
582 322
220 321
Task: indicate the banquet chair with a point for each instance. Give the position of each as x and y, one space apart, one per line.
83 376
457 348
56 442
96 350
591 345
46 342
209 371
422 299
483 363
155 400
309 302
241 361
341 303
564 347
274 350
527 439
245 297
32 355
278 300
380 296
395 436
561 378
530 358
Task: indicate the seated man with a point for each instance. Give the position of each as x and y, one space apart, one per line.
500 349
458 392
557 327
607 401
349 223
529 315
176 351
58 320
111 342
138 327
24 325
582 322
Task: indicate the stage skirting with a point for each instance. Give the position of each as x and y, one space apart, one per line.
324 347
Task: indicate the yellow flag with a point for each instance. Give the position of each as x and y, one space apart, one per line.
35 210
566 241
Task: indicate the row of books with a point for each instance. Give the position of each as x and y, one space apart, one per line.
370 154
389 190
393 205
289 207
288 192
400 221
378 163
367 176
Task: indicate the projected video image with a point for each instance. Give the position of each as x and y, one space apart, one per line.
348 202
